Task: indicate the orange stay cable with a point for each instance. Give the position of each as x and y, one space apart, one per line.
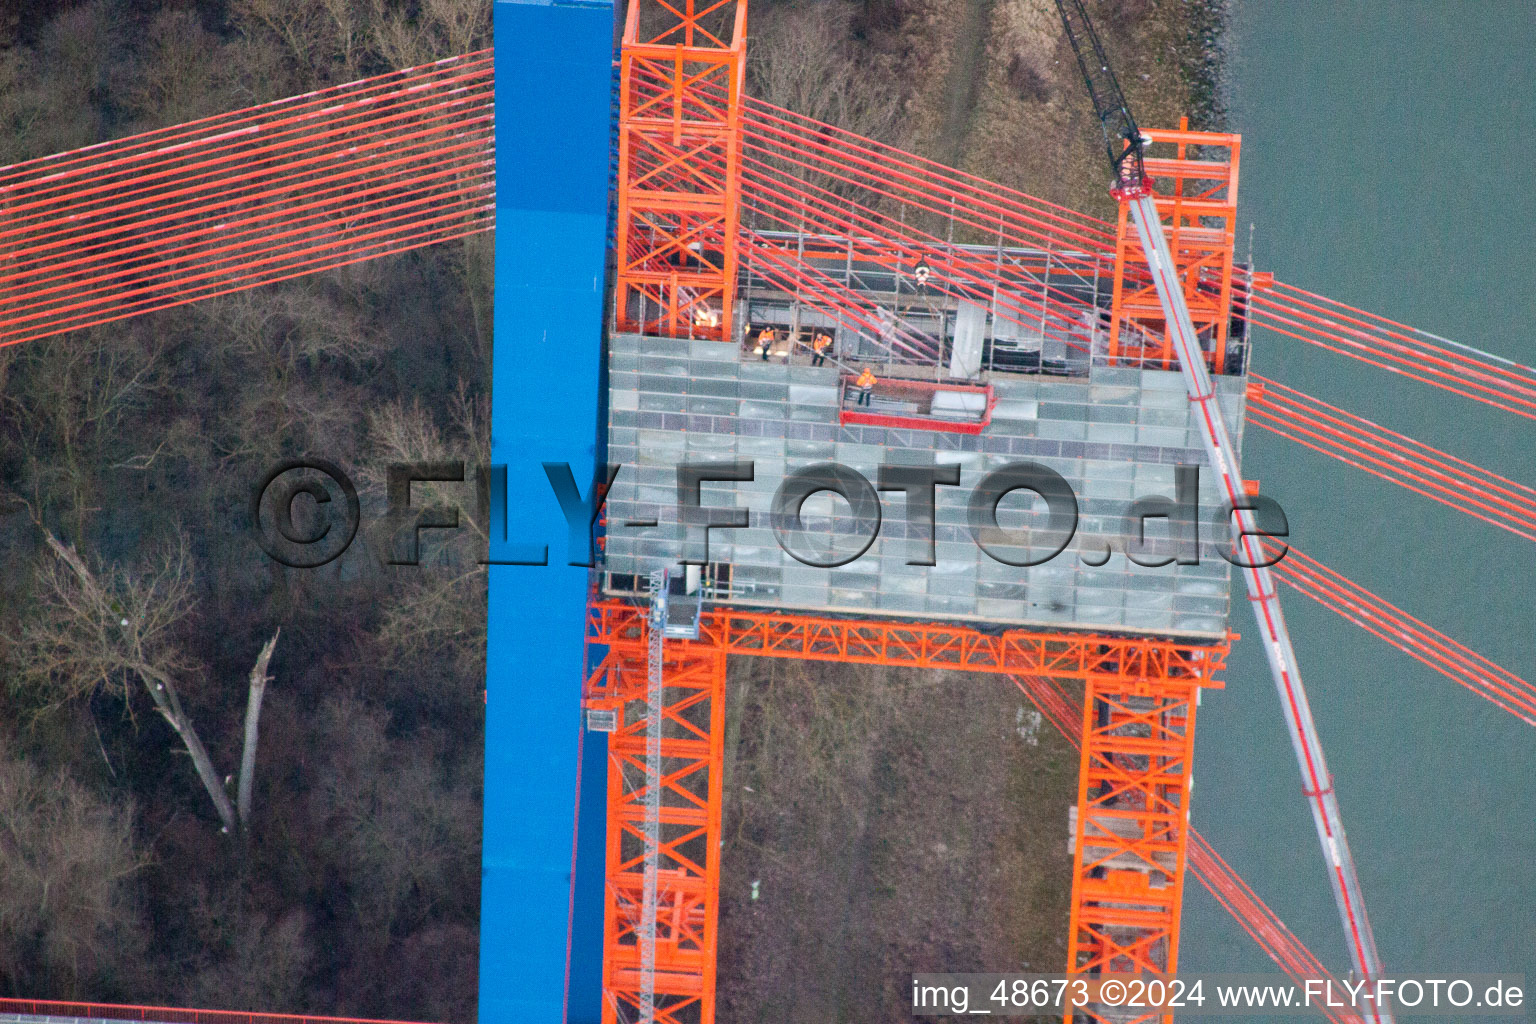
344 200
1391 456
338 256
1408 634
1413 336
816 207
467 172
357 151
788 213
460 206
105 158
1488 385
57 164
759 113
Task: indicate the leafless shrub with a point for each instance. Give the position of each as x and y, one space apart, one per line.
68 910
1027 79
402 432
50 96
392 811
178 72
68 405
438 613
294 327
802 57
439 28
341 40
253 961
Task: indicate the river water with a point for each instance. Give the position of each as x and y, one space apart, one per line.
1387 162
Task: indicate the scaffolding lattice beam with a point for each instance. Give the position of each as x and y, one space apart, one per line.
902 643
1131 827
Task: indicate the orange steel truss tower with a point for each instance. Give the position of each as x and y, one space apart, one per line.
678 197
407 162
1132 817
693 703
1131 823
678 188
1196 194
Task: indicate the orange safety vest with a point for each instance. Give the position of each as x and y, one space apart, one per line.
822 341
866 379
766 338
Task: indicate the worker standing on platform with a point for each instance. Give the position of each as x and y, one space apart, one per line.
765 342
819 346
864 386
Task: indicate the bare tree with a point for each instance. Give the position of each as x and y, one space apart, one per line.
342 40
474 265
68 911
281 339
802 57
50 94
251 960
258 689
440 615
178 71
68 403
439 28
114 628
393 810
295 40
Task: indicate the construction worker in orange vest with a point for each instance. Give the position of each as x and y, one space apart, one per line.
765 342
819 346
922 271
865 385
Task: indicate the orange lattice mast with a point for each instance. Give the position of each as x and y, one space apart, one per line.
678 187
1196 194
1131 824
688 889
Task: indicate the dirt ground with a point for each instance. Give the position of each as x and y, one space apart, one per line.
993 86
892 822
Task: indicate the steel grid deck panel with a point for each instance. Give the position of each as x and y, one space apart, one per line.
1114 436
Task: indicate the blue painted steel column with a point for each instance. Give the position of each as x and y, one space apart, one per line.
553 72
